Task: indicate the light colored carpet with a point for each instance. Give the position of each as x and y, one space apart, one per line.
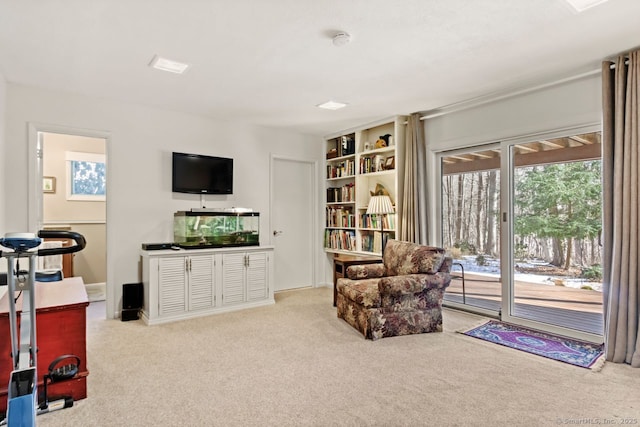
297 364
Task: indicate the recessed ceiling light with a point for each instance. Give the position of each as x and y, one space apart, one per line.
582 5
332 105
164 64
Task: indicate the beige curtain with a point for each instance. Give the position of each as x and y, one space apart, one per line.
413 209
621 188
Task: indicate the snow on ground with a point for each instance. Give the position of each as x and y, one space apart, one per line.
492 269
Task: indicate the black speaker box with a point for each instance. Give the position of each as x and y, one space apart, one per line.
132 295
129 314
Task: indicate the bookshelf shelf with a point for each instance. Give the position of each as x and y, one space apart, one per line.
386 172
340 178
354 170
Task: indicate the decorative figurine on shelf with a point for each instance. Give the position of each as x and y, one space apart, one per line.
380 191
383 141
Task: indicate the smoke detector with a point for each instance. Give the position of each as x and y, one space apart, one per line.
341 39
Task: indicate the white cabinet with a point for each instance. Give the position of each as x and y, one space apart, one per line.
244 277
185 284
197 282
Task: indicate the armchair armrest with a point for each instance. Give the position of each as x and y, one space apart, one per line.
365 271
413 283
447 262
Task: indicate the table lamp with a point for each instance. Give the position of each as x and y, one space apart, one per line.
380 205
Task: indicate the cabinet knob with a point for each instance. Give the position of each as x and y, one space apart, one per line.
277 233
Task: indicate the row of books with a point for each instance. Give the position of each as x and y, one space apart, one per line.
340 170
373 242
340 217
344 146
346 193
340 239
371 164
373 221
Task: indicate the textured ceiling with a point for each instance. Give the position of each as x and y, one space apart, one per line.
269 62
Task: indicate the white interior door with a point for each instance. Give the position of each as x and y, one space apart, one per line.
293 222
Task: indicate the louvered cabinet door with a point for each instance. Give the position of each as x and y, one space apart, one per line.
201 282
233 270
257 276
172 285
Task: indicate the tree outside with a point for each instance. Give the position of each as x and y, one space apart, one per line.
557 216
558 212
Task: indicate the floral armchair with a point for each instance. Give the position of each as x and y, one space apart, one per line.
400 296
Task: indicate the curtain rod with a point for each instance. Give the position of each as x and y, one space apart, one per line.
482 100
613 64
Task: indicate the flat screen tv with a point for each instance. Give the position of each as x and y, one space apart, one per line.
198 174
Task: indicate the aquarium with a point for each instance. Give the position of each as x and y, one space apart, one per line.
204 229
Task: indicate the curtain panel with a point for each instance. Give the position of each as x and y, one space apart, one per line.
621 195
413 209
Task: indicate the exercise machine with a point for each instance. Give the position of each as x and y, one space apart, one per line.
22 397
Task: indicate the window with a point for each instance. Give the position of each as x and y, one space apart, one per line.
86 176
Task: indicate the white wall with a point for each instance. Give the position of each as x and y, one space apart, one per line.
571 104
140 204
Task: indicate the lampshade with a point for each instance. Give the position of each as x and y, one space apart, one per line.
380 205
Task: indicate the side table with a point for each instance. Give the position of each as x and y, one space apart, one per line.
340 264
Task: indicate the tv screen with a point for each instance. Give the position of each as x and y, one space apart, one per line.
198 174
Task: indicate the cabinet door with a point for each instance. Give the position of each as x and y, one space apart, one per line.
201 282
172 285
257 276
233 271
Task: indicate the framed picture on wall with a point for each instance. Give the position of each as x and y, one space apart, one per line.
48 184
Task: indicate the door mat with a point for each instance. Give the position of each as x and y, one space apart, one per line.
574 352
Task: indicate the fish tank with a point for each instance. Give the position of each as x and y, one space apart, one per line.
213 229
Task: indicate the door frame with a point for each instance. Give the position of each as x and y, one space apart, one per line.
314 226
34 197
507 197
507 216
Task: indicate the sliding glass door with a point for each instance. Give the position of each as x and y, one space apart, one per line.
522 222
470 227
553 225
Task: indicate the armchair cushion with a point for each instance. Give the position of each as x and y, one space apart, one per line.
401 258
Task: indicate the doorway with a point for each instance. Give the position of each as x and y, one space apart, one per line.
293 221
70 168
546 273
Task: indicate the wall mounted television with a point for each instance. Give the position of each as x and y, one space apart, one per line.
199 174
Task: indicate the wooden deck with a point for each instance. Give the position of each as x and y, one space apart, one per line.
578 309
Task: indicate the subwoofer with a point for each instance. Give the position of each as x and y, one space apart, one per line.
132 295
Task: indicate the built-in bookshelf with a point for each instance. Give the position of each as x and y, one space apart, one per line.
358 162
